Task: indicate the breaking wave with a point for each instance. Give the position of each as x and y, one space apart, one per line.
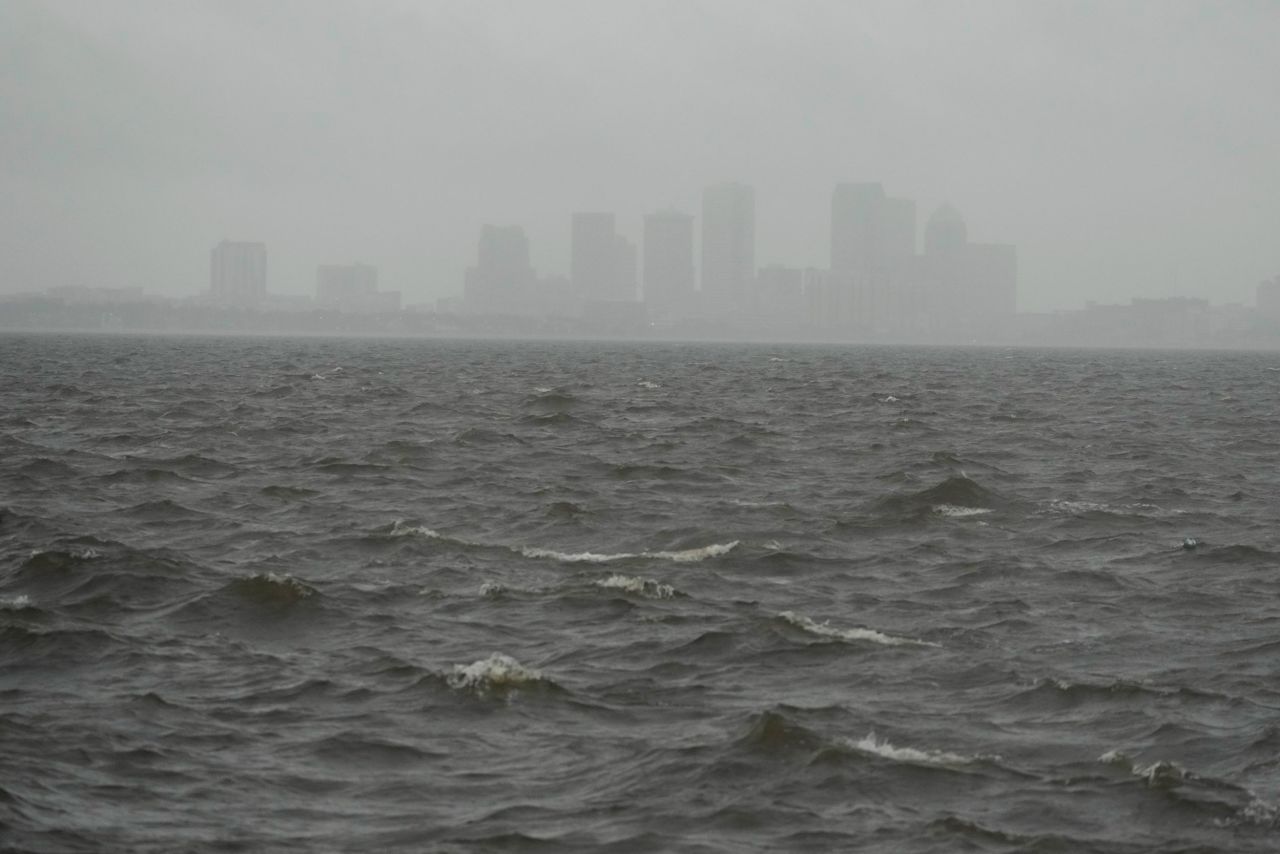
639 586
683 556
824 629
497 673
870 744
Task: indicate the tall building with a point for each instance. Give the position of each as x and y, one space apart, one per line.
668 263
855 226
728 246
869 230
946 233
502 280
353 288
339 285
626 269
594 257
238 272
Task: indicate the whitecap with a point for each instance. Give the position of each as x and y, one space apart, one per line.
15 603
541 389
877 747
955 511
824 629
492 588
1257 813
497 672
400 529
684 556
648 384
639 586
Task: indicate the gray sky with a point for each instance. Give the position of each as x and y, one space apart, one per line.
1128 149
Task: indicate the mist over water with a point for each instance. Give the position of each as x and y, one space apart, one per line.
308 595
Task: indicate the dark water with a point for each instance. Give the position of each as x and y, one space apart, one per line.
334 595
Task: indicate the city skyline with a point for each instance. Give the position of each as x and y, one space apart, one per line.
1124 148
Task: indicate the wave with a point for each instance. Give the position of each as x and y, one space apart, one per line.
496 674
955 512
271 589
959 495
682 556
550 401
639 586
823 629
874 746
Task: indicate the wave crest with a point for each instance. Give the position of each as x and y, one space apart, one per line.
498 672
682 556
639 586
882 748
824 629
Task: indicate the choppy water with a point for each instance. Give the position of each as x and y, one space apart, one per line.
317 595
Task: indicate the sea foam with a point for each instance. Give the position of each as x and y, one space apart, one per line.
824 629
498 672
955 511
639 586
877 747
15 603
684 556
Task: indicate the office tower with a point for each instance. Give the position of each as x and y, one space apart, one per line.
238 272
502 280
594 257
728 246
668 263
626 269
945 233
897 239
856 213
345 285
869 230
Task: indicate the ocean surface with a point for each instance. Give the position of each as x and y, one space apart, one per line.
342 595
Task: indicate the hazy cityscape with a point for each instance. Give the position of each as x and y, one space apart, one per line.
687 277
646 427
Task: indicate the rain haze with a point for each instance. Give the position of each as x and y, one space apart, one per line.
1125 149
713 426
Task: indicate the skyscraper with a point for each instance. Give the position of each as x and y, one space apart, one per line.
869 230
728 245
502 280
238 272
668 262
946 233
856 213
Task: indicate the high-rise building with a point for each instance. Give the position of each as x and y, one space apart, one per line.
728 246
626 269
869 230
594 256
946 233
503 279
856 213
238 272
342 285
353 288
668 263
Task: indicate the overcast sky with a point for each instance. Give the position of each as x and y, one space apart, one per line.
1127 149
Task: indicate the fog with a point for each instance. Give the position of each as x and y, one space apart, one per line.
1127 150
